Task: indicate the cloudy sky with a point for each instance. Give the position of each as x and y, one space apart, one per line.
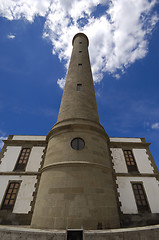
35 48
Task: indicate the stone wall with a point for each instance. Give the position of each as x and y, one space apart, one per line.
139 233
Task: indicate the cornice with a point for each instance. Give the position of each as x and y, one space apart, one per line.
129 144
137 174
19 173
10 142
76 164
64 126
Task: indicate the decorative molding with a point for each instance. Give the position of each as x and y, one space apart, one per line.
10 142
116 186
152 161
76 163
2 153
19 173
36 186
73 124
129 145
10 136
77 120
143 140
137 174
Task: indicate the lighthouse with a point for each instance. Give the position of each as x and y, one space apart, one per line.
77 189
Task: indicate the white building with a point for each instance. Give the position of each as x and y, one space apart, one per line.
20 162
135 172
137 181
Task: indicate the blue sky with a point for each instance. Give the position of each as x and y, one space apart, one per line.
35 47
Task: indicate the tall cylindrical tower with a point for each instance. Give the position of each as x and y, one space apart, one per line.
76 189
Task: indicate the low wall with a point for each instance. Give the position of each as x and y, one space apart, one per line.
26 233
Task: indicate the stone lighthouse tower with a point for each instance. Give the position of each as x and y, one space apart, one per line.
76 189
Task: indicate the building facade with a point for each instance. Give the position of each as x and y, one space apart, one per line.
20 163
77 177
137 181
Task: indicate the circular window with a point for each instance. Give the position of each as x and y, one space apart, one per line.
77 143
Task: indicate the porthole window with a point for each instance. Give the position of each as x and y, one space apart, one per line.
77 143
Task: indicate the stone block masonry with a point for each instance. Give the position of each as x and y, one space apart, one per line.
77 169
26 233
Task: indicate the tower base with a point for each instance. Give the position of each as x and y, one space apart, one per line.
146 233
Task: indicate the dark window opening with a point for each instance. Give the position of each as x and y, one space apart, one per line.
99 226
77 143
140 197
80 65
10 196
130 161
23 159
74 234
79 87
80 51
80 42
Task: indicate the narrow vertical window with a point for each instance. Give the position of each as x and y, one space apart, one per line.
23 159
130 161
80 66
10 196
79 87
140 197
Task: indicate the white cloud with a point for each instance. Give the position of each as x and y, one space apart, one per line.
155 126
1 143
118 37
16 9
11 36
61 82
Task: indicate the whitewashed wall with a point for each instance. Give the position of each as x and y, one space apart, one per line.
127 198
10 158
141 158
27 186
118 160
35 159
25 193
